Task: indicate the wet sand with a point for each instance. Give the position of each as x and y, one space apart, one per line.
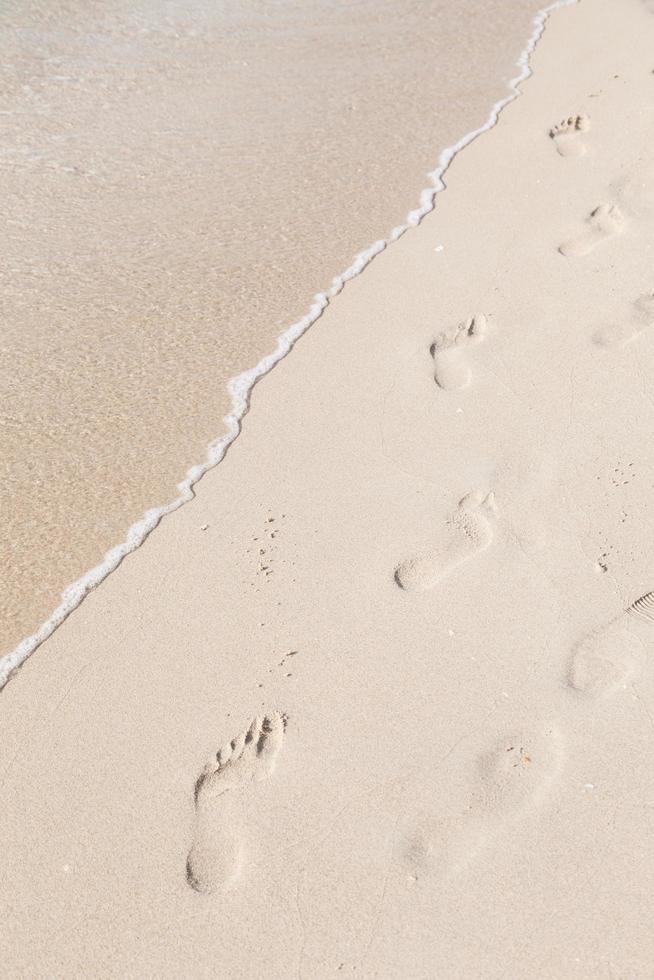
177 187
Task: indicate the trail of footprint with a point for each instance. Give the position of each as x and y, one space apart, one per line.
467 531
566 135
215 857
451 369
606 661
619 334
513 778
604 222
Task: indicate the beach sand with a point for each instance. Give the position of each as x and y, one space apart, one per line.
180 180
379 702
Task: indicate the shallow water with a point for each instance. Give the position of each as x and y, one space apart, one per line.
180 179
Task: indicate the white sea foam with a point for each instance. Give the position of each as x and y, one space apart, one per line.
241 386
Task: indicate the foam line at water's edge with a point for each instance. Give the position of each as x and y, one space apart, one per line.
241 386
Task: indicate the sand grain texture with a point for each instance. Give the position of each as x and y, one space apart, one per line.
455 795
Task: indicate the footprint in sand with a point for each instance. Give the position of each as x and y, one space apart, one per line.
451 368
519 771
222 794
604 222
467 531
619 334
634 191
513 778
566 135
606 661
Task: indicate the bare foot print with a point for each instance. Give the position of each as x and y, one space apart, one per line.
633 191
513 779
467 531
519 771
605 662
451 369
221 796
604 222
566 135
619 334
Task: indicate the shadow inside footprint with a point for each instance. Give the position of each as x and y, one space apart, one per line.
215 857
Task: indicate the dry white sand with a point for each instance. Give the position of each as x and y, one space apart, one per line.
380 701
